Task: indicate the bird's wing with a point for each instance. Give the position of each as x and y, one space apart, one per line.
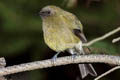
79 31
80 34
77 26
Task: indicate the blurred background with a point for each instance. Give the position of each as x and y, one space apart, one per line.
21 36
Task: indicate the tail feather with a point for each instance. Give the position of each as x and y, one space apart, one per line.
86 69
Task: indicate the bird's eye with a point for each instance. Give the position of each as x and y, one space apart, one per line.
48 12
45 13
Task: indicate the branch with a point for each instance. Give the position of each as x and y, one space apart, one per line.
102 37
2 62
64 60
2 65
108 72
60 61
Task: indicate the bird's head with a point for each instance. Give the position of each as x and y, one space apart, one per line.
49 11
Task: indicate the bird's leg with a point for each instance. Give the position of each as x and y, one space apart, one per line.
79 48
72 52
55 57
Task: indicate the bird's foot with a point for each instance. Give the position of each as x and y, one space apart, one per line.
73 56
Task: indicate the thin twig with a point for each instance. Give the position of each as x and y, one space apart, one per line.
108 72
116 40
102 37
60 61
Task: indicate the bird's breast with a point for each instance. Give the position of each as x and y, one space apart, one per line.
59 38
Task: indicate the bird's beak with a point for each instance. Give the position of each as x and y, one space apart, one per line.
41 13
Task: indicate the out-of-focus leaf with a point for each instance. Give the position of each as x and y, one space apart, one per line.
12 46
37 75
104 47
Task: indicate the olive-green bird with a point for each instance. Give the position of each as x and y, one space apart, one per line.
63 31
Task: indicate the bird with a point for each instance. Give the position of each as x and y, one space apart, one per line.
63 31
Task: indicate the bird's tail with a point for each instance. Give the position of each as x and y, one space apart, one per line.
86 69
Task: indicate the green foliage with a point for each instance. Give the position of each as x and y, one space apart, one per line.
12 46
104 48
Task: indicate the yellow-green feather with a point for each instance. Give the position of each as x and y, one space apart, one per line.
58 30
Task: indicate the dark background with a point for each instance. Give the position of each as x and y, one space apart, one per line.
21 37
